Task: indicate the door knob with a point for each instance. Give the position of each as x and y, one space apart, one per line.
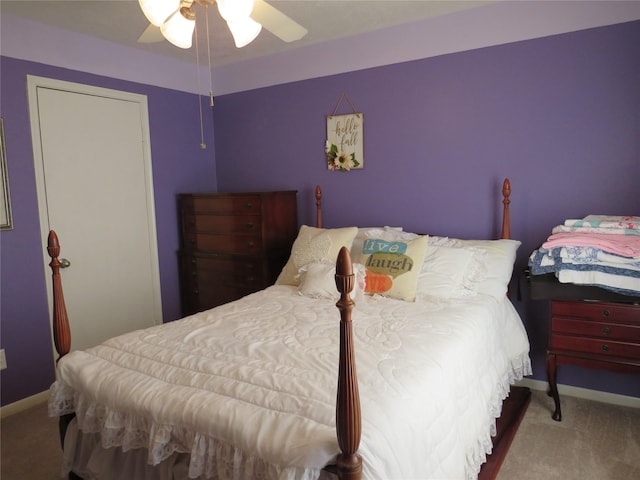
64 263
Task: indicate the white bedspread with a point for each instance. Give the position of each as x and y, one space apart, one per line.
248 389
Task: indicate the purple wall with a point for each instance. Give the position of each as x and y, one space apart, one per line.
179 165
559 116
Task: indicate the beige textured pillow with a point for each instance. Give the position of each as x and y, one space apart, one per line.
392 264
315 245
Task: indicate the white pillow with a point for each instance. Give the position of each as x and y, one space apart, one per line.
315 245
499 258
317 280
450 272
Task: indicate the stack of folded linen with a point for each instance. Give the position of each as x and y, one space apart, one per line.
599 250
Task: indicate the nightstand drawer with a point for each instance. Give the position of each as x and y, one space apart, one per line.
606 330
222 223
604 312
595 346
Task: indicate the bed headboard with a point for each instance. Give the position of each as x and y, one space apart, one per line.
506 220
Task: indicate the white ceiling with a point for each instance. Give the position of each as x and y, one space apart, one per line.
122 22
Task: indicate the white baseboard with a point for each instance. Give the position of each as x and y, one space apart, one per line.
604 397
24 404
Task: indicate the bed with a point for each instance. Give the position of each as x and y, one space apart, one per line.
265 387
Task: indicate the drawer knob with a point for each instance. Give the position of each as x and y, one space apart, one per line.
248 205
606 313
250 244
196 291
605 347
249 225
606 330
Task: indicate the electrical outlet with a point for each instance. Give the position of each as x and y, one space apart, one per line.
3 360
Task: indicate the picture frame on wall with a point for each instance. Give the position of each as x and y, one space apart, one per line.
344 146
5 199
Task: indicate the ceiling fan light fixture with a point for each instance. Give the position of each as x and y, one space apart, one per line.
235 10
244 31
157 11
178 29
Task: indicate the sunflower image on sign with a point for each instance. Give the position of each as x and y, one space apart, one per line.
343 148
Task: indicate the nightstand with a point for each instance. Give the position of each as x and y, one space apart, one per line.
590 327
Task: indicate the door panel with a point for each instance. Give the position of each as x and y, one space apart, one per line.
96 192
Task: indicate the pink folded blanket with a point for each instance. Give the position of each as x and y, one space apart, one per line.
624 245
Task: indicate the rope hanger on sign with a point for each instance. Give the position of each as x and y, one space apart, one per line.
342 97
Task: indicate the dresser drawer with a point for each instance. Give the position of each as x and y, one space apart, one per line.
222 204
604 312
236 270
603 347
222 224
210 296
606 330
224 244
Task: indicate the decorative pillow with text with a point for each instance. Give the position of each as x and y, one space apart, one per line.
392 265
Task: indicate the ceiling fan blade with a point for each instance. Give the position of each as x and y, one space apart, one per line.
151 34
276 22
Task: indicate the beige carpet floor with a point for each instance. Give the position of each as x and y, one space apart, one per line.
594 441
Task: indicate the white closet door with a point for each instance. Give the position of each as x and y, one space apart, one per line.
95 190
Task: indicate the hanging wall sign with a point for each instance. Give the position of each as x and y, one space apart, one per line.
344 147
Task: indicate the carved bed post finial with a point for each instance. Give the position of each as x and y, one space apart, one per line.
506 221
61 331
348 421
318 206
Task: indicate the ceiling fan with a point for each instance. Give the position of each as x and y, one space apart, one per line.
174 20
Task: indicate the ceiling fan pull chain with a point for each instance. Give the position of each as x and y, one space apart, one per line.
202 144
209 53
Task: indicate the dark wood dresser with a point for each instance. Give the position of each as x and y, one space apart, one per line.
589 327
233 244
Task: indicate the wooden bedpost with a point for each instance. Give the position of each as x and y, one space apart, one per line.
318 207
348 421
506 221
61 331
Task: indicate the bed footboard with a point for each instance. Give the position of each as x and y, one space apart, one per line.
61 331
348 421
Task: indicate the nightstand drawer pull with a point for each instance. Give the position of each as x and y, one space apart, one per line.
249 225
606 330
605 347
248 205
606 313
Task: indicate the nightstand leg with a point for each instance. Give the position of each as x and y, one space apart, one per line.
552 370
